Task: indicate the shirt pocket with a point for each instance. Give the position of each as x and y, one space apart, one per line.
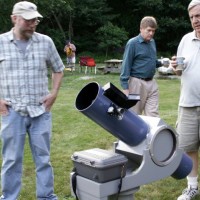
38 61
2 59
7 63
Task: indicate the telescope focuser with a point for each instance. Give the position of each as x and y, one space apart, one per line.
114 110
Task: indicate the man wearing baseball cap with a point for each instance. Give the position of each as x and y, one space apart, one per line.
188 126
26 102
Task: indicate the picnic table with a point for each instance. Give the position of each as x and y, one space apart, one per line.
112 65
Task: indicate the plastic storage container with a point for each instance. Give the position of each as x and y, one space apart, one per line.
99 165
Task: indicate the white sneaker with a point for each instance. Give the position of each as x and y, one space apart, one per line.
2 197
188 194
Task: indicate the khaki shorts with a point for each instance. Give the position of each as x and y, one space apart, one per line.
188 128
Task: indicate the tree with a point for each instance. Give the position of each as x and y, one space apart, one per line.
110 37
173 21
55 13
79 20
5 12
171 15
89 16
56 17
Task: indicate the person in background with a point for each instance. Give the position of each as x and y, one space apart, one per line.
70 50
139 67
25 101
188 123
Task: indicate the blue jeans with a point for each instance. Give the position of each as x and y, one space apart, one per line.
13 133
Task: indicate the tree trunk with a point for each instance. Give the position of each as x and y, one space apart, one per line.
70 31
59 25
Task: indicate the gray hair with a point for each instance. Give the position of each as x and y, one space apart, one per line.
148 21
193 3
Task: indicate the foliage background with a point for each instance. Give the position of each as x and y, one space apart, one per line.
83 20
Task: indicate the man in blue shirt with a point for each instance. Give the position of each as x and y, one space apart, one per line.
139 66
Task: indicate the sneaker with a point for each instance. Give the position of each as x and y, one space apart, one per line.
188 193
2 197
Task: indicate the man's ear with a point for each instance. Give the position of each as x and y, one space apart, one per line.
13 18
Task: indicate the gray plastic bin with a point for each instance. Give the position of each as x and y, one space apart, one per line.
99 165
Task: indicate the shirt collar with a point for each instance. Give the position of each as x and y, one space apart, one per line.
194 37
11 36
141 39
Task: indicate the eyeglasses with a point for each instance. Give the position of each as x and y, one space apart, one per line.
32 21
37 22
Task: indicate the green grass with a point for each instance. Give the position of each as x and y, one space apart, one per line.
73 131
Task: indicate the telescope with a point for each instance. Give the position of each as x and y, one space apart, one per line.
146 150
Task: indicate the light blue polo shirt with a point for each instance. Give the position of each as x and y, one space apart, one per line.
189 48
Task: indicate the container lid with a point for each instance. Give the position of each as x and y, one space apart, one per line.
99 158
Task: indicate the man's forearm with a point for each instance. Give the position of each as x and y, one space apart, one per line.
56 82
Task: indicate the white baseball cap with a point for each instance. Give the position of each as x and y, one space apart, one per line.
26 9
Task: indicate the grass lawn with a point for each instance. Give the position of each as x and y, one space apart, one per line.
73 131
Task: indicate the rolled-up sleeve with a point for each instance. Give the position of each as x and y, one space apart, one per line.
54 59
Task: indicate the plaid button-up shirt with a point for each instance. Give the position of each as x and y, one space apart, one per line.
24 76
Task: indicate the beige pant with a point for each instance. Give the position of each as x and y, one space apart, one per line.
149 96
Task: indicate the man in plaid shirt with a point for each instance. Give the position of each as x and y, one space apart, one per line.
25 101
